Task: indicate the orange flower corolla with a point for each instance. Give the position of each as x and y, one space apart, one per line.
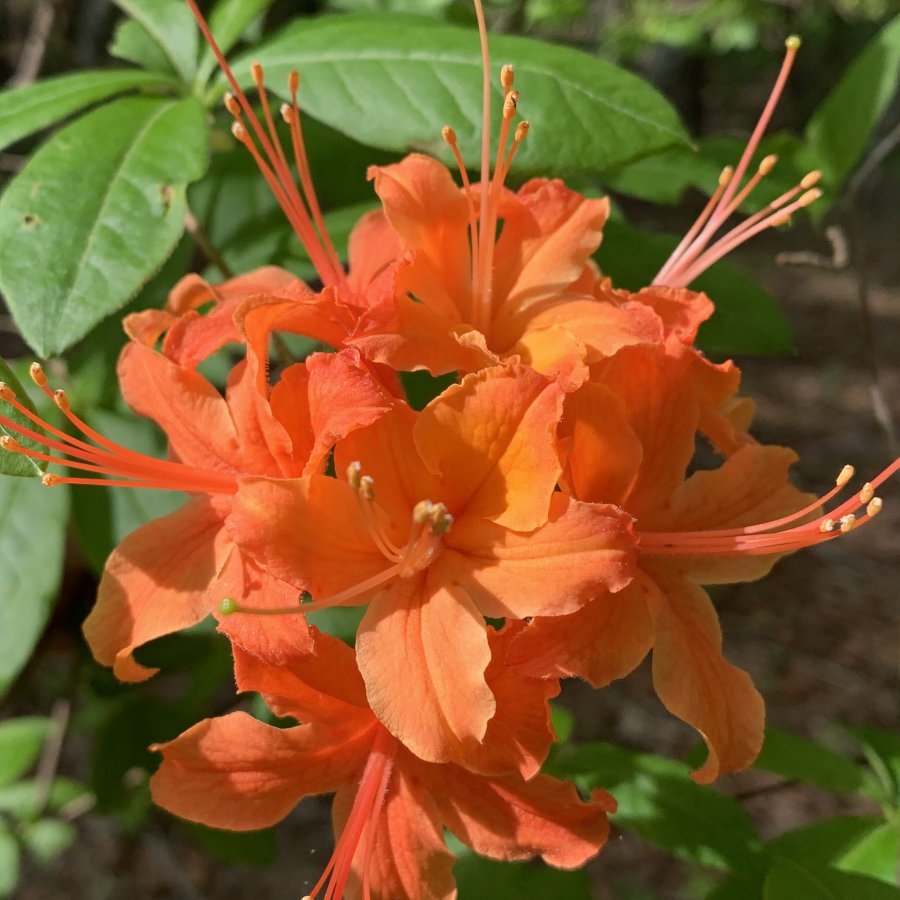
391 808
174 571
630 436
450 515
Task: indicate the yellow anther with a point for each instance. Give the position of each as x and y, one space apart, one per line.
441 520
767 164
726 176
61 399
810 179
847 522
6 392
232 105
50 480
294 81
846 474
239 132
510 104
867 492
874 507
793 42
422 512
37 375
10 444
256 72
783 219
507 76
449 135
809 197
826 526
367 487
521 131
354 474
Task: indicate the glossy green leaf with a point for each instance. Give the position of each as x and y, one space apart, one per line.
746 321
882 752
798 758
843 125
789 880
133 43
255 848
394 81
171 25
477 878
9 862
228 21
660 803
28 109
21 741
825 842
16 463
32 542
877 854
68 258
46 839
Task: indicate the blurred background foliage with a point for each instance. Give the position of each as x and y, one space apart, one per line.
819 815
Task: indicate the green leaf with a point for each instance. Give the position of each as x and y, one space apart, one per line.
32 544
660 803
228 22
20 745
882 750
68 258
47 838
16 463
9 862
255 848
133 43
746 321
28 109
842 126
171 25
876 854
394 81
477 877
21 799
789 880
823 843
797 758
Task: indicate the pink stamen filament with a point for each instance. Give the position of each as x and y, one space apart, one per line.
288 197
144 471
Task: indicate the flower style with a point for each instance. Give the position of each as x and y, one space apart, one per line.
391 807
449 516
174 571
630 437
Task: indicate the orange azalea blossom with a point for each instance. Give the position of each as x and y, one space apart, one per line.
630 437
448 516
391 808
172 572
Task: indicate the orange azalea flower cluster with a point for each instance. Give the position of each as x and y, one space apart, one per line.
539 519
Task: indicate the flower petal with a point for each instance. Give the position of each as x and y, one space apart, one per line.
582 550
155 582
508 818
237 773
492 441
423 651
604 640
372 247
696 683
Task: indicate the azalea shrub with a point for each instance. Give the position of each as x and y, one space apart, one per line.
370 428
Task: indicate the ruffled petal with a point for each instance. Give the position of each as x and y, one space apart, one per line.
582 550
155 582
492 441
604 640
696 683
239 774
508 818
423 651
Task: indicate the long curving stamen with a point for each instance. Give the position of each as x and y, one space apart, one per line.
686 262
122 466
773 536
277 172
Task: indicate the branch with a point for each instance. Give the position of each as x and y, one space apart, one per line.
35 47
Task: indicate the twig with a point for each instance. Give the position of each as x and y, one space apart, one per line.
32 57
49 761
839 259
209 250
